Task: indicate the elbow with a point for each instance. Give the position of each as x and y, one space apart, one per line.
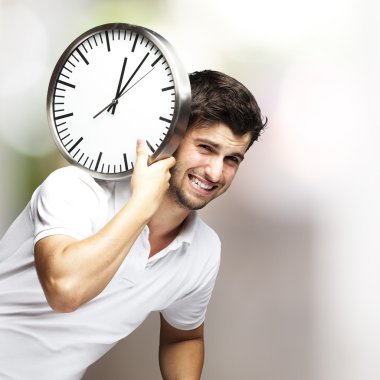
62 296
62 306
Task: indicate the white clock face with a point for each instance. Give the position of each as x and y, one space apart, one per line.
110 88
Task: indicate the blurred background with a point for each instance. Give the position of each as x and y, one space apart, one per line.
297 297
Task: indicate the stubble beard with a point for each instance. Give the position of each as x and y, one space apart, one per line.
179 196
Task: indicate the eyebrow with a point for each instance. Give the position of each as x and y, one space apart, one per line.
217 146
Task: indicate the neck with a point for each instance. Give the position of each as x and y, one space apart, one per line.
165 224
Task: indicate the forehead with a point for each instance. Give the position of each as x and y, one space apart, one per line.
219 134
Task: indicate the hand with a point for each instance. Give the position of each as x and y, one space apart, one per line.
150 182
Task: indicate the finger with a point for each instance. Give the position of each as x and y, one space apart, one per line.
141 152
170 162
166 163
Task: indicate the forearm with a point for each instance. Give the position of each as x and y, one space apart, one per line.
182 360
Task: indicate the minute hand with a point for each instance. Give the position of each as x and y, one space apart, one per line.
131 77
115 101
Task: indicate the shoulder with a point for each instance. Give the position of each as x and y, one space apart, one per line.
68 175
68 202
70 180
206 234
68 187
206 246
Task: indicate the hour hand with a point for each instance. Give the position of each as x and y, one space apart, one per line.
107 107
113 106
123 90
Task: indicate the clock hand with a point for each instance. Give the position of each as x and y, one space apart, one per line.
116 100
130 79
134 84
113 107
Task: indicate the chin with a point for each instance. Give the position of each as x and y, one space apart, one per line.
185 201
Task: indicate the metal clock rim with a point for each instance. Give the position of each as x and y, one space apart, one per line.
181 112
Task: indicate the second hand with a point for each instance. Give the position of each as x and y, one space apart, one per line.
116 100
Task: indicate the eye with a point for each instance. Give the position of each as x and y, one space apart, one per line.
204 147
234 160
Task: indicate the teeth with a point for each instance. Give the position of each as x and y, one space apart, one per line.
201 184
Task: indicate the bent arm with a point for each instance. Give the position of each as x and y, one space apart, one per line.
72 271
181 353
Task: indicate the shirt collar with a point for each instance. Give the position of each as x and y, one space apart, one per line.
186 235
181 242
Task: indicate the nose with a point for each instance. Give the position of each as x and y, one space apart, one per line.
214 169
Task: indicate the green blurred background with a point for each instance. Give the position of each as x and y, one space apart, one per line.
297 295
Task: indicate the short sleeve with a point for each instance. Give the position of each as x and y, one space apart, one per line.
69 202
189 312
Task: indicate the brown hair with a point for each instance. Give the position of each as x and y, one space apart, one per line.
217 97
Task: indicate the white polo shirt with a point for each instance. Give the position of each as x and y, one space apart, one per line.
35 341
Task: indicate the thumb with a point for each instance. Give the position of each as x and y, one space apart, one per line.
141 152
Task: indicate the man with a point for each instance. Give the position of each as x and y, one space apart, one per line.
106 254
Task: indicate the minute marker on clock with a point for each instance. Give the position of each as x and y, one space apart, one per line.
167 88
65 137
82 56
69 142
75 145
134 43
66 83
108 41
125 161
70 71
165 119
63 116
71 63
157 59
150 146
63 130
98 161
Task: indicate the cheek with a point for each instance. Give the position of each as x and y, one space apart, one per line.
190 159
229 174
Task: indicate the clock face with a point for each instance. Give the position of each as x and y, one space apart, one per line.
114 84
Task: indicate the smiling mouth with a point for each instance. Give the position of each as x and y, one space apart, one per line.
202 185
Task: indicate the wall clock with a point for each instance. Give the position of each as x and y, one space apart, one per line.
112 85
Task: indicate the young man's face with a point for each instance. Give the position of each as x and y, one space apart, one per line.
207 161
